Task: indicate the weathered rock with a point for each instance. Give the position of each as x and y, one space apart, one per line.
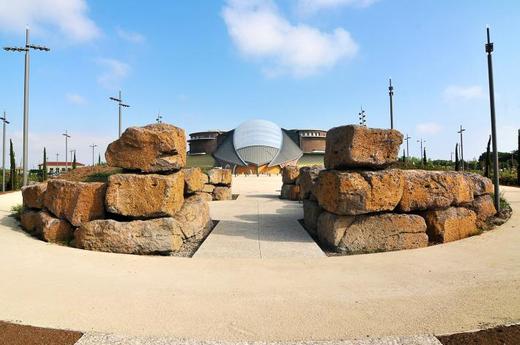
222 193
205 196
194 180
289 174
479 184
44 225
355 146
351 193
208 188
145 196
153 148
372 233
290 192
154 236
218 176
30 221
194 218
450 224
430 190
307 180
311 212
34 195
484 208
78 202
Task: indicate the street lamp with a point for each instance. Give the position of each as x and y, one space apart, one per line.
461 146
422 142
67 136
391 94
5 122
120 105
159 117
362 117
93 146
489 51
407 146
26 49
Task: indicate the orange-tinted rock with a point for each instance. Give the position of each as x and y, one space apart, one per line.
44 225
351 193
430 190
484 208
208 188
194 218
152 148
30 221
450 224
78 202
372 233
311 213
194 180
205 196
306 180
34 195
145 196
479 184
218 176
355 146
222 193
290 192
290 174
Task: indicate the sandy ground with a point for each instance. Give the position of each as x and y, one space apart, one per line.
460 286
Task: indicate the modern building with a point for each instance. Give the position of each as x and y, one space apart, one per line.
257 146
54 168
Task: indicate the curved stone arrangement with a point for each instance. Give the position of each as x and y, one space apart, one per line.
359 205
153 207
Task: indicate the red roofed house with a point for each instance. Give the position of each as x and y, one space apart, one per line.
59 167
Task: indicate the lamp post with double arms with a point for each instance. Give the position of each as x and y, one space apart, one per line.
5 122
407 138
120 103
67 136
93 146
461 147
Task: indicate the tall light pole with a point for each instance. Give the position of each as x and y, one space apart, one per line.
407 146
67 136
391 94
57 157
26 49
461 147
93 146
5 122
120 105
422 142
159 118
489 51
362 117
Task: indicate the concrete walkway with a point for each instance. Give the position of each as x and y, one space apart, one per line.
444 289
258 224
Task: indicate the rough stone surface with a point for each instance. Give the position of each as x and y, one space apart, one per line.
205 196
484 208
30 221
194 180
372 233
311 212
430 190
355 146
222 193
44 225
208 188
152 148
351 193
78 202
307 180
219 176
290 192
145 195
479 184
290 174
154 236
194 217
34 195
451 224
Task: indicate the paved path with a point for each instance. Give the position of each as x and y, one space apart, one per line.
258 224
459 286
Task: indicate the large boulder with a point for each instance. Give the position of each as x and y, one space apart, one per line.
307 180
205 196
44 225
194 180
218 176
290 192
430 190
372 233
289 174
146 196
352 193
158 147
451 224
78 202
355 146
222 193
479 184
208 188
311 213
193 218
34 195
154 236
484 208
30 221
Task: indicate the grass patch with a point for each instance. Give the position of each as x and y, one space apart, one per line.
16 211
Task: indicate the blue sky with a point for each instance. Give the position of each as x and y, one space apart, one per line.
300 63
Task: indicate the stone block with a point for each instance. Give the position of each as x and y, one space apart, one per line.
34 195
450 224
290 174
222 193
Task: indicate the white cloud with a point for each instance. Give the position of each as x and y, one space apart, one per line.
114 72
74 98
68 16
463 93
130 36
259 31
312 6
429 128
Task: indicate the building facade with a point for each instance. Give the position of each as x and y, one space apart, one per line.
203 142
55 168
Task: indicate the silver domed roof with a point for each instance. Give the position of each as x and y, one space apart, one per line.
258 133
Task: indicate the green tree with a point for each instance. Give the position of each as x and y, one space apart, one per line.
404 156
424 160
457 163
44 165
12 167
74 162
99 159
487 166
